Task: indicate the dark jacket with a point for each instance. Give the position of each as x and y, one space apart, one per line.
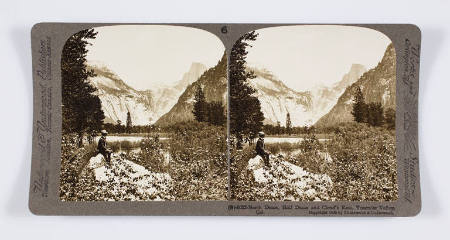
260 146
102 145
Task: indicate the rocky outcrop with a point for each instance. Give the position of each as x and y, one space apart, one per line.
377 85
146 106
286 181
122 180
305 108
214 85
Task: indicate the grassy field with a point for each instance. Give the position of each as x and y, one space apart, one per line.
359 159
194 155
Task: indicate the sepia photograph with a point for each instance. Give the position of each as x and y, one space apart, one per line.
312 115
143 115
237 119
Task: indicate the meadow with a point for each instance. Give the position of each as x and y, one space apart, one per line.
360 161
193 155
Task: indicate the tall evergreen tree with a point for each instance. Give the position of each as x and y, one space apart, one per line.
389 117
245 109
288 123
200 106
81 108
375 114
216 113
359 107
279 127
119 126
253 124
96 116
129 123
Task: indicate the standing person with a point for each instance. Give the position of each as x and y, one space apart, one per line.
260 149
102 147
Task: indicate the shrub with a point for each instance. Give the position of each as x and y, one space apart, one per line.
359 159
311 155
241 182
364 166
151 155
73 160
198 161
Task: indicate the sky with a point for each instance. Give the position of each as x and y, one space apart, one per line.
144 56
304 57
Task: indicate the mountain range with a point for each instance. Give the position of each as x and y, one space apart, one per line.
145 107
322 106
377 85
305 108
214 85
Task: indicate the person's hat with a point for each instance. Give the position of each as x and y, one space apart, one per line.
261 134
104 132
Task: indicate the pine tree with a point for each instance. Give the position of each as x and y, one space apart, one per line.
359 111
375 114
288 123
129 123
200 106
254 121
278 127
216 113
389 117
245 109
119 126
95 115
81 108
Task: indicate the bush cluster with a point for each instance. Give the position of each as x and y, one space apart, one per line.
73 161
359 159
151 155
199 162
364 166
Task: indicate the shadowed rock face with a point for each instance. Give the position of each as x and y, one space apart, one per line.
214 84
377 84
145 106
277 99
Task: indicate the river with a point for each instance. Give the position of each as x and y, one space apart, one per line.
113 138
266 140
286 139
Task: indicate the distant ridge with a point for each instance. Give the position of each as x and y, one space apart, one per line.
377 84
145 106
305 108
214 84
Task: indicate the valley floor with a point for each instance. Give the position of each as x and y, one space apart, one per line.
356 163
190 165
124 180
